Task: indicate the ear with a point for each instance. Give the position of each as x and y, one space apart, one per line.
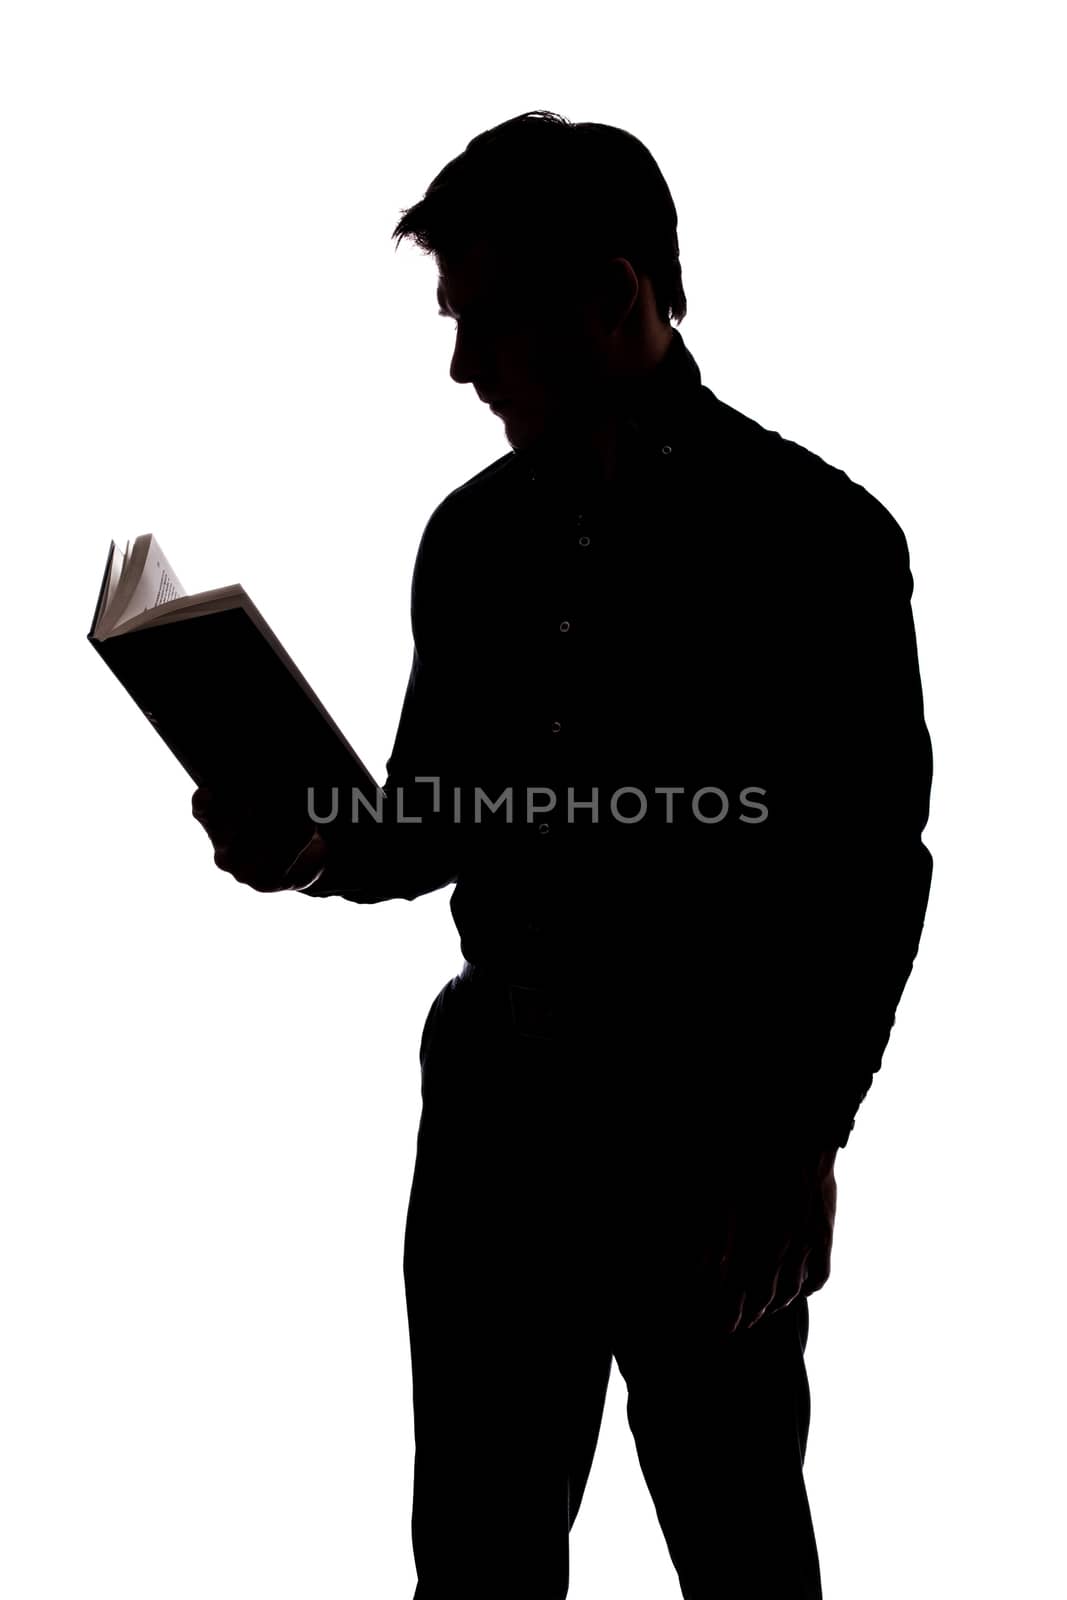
619 292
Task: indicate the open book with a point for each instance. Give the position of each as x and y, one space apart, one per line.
217 686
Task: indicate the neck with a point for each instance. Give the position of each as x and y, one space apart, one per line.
590 437
590 447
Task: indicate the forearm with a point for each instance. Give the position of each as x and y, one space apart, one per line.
370 861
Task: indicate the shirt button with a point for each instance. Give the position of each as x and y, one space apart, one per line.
583 538
556 727
542 827
564 627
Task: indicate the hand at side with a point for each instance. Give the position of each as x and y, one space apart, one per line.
777 1222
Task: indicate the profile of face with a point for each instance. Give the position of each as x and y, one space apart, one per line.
539 356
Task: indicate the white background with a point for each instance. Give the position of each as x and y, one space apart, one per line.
210 1098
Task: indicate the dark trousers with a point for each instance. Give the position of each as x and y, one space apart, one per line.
554 1222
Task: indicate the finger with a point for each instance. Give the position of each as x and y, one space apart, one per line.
239 862
725 1257
737 1294
790 1285
231 801
759 1302
201 803
818 1271
219 818
226 860
221 829
307 863
732 1274
760 1270
733 1311
258 867
251 876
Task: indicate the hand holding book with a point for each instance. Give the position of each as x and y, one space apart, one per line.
219 689
256 844
230 703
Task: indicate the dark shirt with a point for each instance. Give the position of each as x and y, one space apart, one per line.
730 617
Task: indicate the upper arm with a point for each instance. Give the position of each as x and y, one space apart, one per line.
876 740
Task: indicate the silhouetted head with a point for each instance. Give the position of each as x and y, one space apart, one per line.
557 253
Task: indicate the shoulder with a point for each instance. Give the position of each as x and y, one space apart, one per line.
786 491
784 465
478 491
445 564
454 517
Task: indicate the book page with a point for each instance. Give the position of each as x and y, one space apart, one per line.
228 598
113 570
116 567
147 581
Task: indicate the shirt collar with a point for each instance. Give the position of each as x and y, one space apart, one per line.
662 394
653 409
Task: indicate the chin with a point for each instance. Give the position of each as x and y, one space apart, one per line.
516 430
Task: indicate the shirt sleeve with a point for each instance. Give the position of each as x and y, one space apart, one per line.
400 844
835 929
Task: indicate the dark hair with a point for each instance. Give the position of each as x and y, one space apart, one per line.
571 194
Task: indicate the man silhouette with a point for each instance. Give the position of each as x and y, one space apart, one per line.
664 734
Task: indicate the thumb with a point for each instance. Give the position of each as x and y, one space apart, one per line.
306 867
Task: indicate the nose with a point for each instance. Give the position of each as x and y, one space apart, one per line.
464 370
468 362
